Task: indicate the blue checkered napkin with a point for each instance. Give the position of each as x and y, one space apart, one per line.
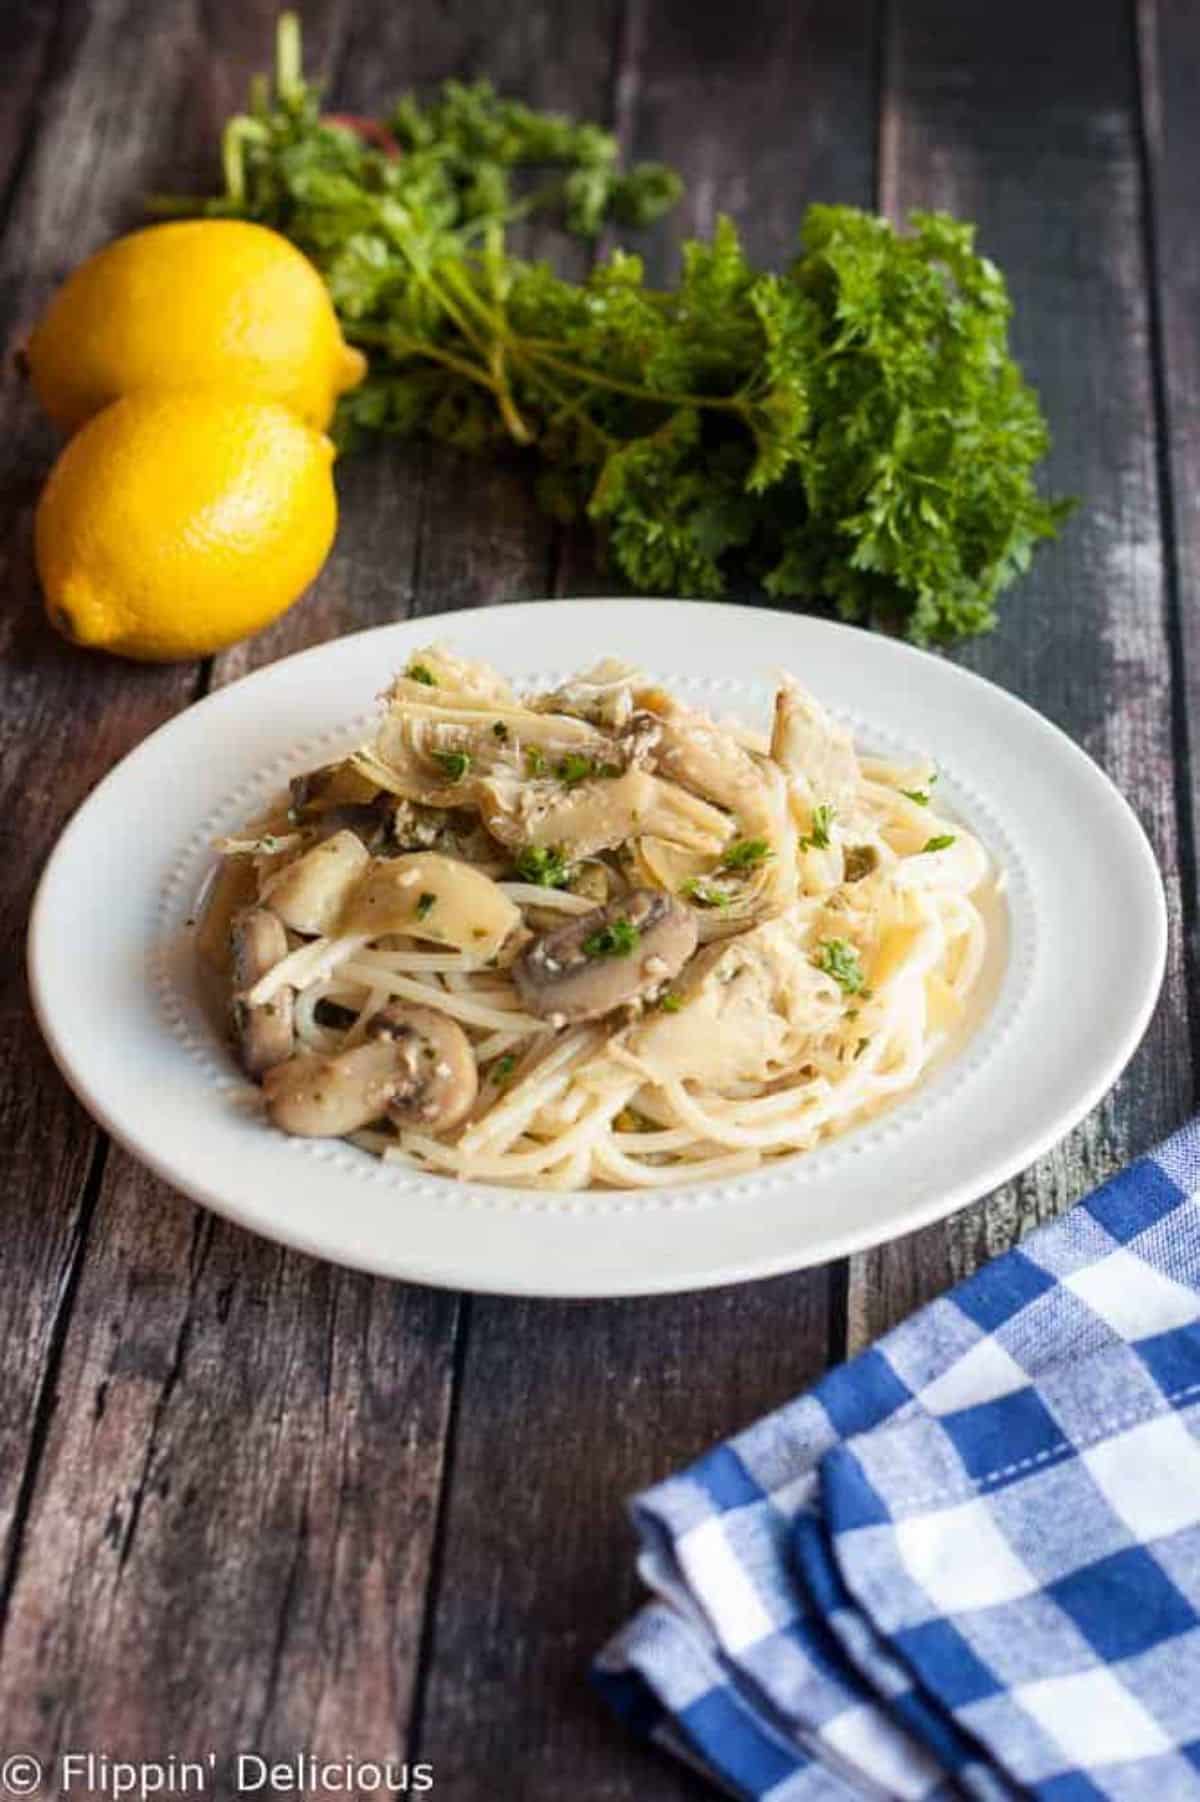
968 1562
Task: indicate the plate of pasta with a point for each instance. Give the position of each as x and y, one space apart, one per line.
597 947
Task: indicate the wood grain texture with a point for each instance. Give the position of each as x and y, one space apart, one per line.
65 717
1019 119
239 1436
238 1431
251 1500
564 1409
27 45
1169 67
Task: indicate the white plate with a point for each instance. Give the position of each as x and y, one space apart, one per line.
1078 950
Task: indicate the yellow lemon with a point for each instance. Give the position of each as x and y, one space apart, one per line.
197 303
174 524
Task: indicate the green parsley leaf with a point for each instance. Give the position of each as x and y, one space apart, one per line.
503 1068
535 762
851 429
841 961
421 672
704 894
919 795
542 865
747 854
426 905
455 763
618 939
942 842
574 768
669 1003
818 838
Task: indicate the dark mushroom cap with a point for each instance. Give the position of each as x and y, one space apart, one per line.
416 1067
266 1034
600 960
440 1077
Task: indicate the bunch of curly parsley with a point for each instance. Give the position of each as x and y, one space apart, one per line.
852 431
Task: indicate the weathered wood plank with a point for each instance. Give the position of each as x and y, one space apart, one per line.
27 38
65 716
230 1520
563 1410
1169 43
566 1409
1086 636
229 1415
224 1414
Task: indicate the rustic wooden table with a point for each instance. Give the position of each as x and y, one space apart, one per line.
250 1501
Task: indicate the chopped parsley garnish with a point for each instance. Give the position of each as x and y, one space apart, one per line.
747 854
620 938
503 1068
840 960
704 894
575 767
670 1004
421 672
543 866
920 795
818 838
942 842
426 905
535 763
500 731
455 763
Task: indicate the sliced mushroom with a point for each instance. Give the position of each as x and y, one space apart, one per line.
266 1034
602 959
416 1067
230 888
309 893
441 1080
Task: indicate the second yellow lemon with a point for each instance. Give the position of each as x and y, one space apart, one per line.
214 303
174 524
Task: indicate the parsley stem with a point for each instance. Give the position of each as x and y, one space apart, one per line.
289 74
389 339
530 350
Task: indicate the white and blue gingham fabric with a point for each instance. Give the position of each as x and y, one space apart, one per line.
968 1562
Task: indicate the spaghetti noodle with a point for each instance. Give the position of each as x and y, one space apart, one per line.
592 936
